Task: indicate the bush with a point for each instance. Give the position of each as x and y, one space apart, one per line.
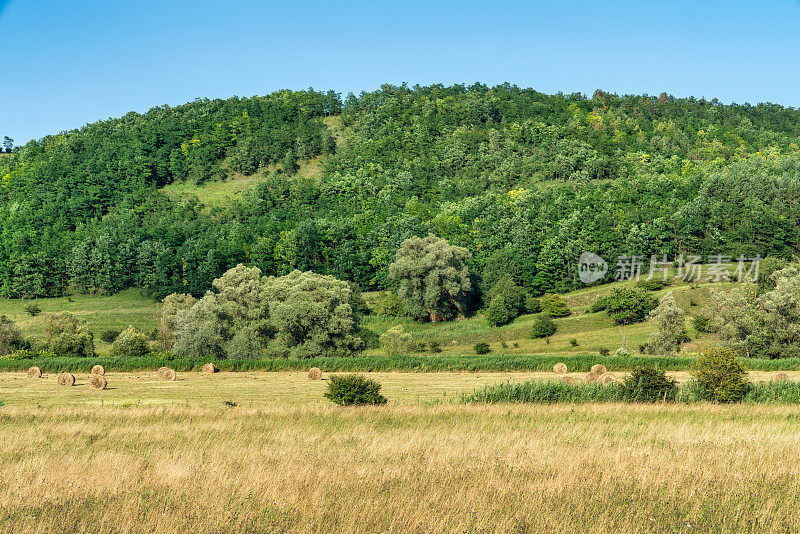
390 305
110 335
396 341
131 343
482 348
700 323
435 347
554 306
351 390
32 309
629 306
573 342
604 351
65 335
10 336
652 285
647 384
720 375
506 302
543 326
532 304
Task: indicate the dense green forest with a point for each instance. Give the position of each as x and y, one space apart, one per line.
525 181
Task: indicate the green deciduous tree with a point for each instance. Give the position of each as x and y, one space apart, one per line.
432 277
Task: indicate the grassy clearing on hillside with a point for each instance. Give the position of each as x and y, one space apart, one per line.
585 468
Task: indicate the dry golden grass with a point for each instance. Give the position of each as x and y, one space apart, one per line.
447 468
264 452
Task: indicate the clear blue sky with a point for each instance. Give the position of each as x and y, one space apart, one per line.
68 63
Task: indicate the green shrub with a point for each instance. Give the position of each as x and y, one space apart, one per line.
629 306
396 341
543 326
652 285
351 390
482 348
131 343
721 375
554 306
532 304
573 342
601 304
32 309
506 302
390 305
109 335
435 347
700 323
10 336
66 335
648 384
604 351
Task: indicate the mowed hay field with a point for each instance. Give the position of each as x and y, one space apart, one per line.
151 456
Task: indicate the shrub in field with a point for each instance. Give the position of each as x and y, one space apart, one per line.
482 348
109 335
32 309
506 302
396 341
543 326
669 321
648 384
65 335
720 375
10 336
573 342
604 351
352 389
654 284
131 342
629 306
390 305
554 306
532 304
700 323
435 347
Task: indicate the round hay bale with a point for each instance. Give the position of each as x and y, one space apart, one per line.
168 374
210 368
161 372
98 370
590 377
98 382
780 377
599 369
315 373
34 372
560 368
66 379
567 379
607 378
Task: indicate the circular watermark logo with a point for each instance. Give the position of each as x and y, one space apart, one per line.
591 268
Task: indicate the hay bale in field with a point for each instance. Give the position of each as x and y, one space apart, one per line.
66 379
315 373
34 372
168 374
560 368
210 368
780 377
607 378
590 377
567 379
98 382
599 369
161 372
98 370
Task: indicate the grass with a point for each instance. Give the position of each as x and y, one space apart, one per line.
400 468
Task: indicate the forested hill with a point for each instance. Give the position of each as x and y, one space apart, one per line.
526 181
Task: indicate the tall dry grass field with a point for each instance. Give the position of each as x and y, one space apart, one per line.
401 468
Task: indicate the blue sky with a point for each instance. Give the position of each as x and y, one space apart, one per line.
68 63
